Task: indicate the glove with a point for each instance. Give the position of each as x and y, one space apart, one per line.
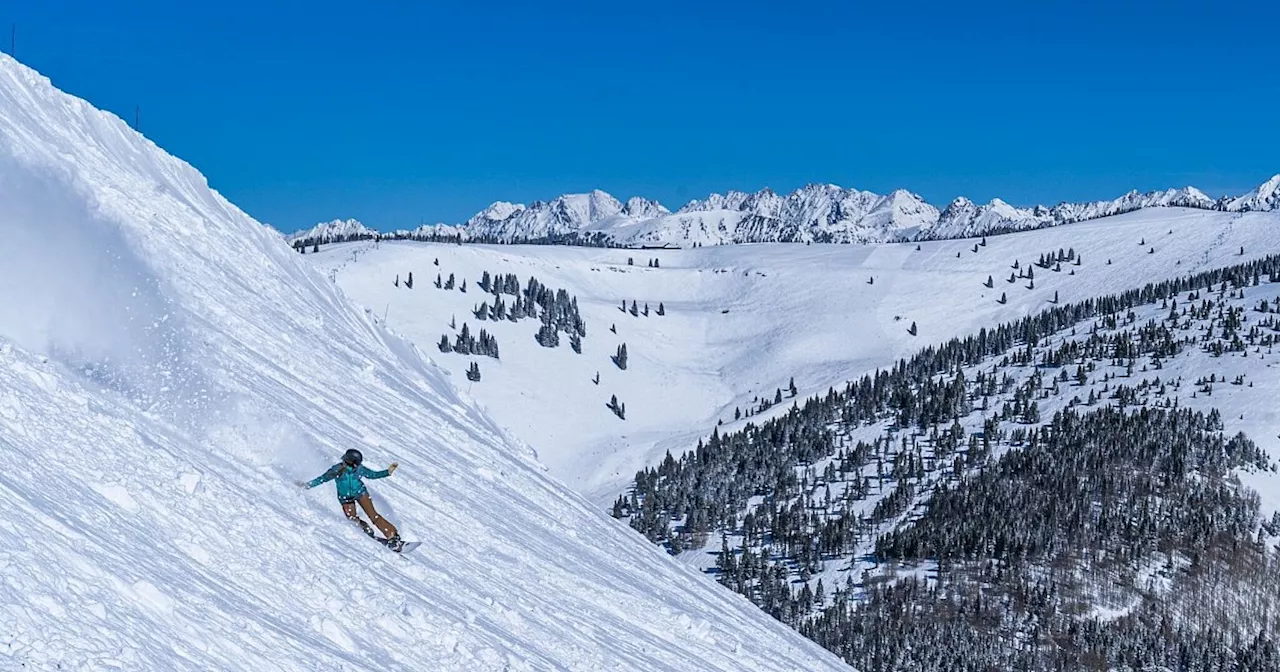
391 469
300 484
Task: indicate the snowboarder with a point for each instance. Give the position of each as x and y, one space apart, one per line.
351 491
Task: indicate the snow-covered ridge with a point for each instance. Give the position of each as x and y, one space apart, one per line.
336 231
963 218
169 368
822 213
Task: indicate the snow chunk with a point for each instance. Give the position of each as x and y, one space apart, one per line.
151 597
118 495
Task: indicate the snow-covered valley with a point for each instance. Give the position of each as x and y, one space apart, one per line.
743 321
815 501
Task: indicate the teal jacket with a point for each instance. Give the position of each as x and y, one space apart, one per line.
349 484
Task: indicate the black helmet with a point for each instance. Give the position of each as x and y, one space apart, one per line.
352 457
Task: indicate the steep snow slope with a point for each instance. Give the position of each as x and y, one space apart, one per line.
168 368
743 320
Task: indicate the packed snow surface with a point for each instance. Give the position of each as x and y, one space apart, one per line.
169 368
743 320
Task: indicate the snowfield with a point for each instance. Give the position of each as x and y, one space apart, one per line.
169 368
743 320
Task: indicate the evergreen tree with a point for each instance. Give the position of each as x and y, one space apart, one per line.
619 507
620 358
547 336
619 409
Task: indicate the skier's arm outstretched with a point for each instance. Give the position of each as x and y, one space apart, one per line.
327 476
364 472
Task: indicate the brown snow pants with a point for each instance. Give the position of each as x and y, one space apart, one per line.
388 530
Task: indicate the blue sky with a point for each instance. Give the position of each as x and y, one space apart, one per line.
400 112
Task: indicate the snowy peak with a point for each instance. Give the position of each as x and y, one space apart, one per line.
338 230
902 210
644 208
581 210
731 201
500 211
1187 197
562 217
1263 199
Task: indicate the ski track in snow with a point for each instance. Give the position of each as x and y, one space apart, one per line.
156 409
793 310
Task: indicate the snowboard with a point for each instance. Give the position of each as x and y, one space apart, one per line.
404 548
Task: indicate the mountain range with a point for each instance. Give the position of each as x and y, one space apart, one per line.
818 213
